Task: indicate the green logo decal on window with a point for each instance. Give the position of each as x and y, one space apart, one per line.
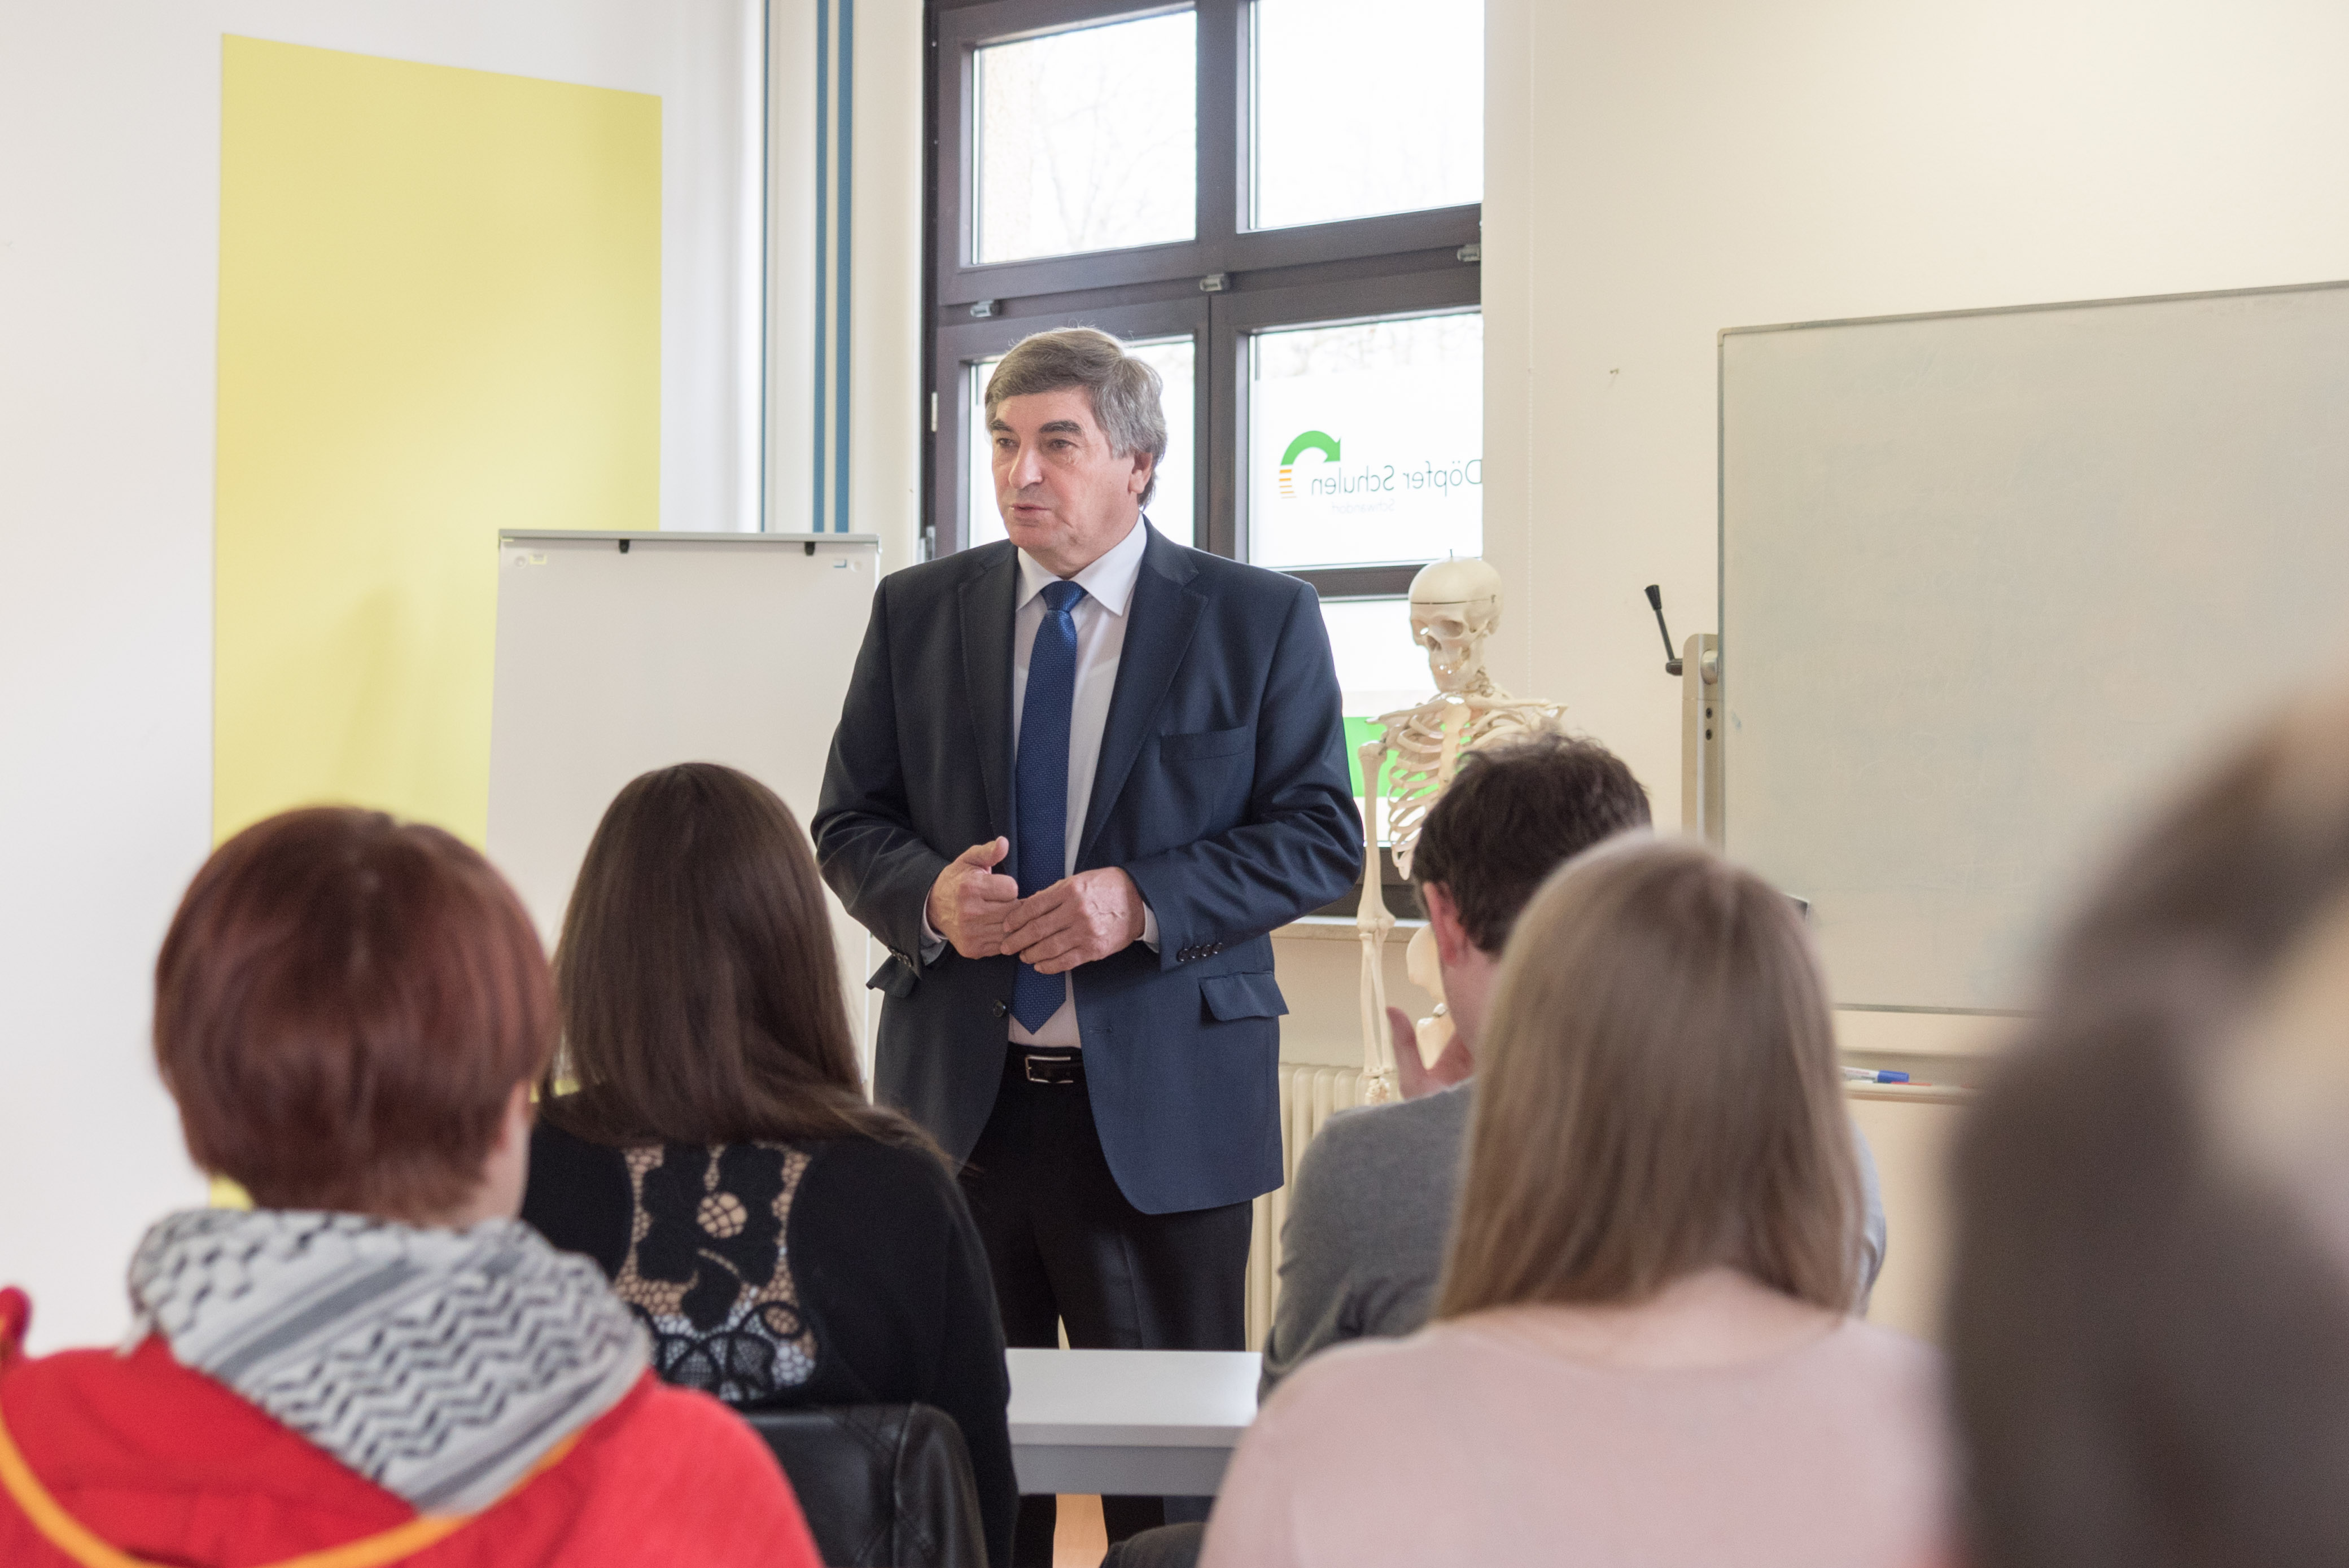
1311 441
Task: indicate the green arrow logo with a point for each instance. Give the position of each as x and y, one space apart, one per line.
1311 441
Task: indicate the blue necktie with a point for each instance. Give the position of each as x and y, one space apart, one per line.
1044 782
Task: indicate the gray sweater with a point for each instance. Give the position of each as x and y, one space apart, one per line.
1370 1211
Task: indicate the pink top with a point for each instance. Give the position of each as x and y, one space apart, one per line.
1472 1441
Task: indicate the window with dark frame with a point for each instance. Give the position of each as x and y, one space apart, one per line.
1276 202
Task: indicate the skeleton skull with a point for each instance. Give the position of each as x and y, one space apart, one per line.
1454 606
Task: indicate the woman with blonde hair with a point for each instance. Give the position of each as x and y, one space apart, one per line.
1641 1352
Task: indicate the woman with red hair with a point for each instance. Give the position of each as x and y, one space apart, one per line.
377 1363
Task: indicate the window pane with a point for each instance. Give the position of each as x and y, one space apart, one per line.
1088 141
1380 668
1361 106
1366 442
1171 509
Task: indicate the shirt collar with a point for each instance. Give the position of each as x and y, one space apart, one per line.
1108 582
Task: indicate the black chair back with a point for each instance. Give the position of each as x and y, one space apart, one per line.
882 1486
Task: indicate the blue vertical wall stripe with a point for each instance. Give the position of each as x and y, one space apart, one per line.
823 204
835 95
844 239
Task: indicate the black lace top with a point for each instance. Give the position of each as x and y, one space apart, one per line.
705 1268
837 1272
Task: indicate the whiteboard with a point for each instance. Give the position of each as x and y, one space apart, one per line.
1990 582
683 647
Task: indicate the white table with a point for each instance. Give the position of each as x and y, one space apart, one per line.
1128 1422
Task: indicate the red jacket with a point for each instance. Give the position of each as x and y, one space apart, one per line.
165 1466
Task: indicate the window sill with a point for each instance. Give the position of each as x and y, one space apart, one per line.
1333 928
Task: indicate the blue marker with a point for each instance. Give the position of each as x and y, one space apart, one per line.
1865 1075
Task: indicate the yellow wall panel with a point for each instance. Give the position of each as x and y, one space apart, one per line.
439 315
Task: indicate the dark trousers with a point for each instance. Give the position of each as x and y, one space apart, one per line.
1067 1248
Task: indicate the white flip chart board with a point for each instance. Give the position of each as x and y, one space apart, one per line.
1991 582
681 647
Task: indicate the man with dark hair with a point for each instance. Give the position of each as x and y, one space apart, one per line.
1369 1210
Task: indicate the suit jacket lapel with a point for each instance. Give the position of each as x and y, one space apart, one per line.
1160 622
986 603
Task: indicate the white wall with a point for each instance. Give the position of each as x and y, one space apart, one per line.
109 138
1657 172
791 264
888 410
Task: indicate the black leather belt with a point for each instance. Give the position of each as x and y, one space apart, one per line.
1048 1064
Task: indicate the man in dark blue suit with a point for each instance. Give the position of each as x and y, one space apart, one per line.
1080 775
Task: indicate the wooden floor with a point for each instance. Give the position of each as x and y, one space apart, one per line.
1078 1539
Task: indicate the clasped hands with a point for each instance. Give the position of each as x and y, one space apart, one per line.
1075 920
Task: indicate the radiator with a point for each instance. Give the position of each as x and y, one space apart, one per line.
1309 1097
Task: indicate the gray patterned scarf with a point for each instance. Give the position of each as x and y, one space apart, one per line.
438 1363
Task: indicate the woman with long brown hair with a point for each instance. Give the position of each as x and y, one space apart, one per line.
1641 1352
704 1137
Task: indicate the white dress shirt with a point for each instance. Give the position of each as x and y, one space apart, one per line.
1101 620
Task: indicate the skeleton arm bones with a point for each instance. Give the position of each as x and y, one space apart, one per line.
1371 923
1425 745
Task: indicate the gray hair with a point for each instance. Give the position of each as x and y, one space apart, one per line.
1123 390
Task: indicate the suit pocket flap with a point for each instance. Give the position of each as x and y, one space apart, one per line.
1205 743
894 979
1230 996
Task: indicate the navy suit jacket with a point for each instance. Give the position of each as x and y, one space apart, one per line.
1222 790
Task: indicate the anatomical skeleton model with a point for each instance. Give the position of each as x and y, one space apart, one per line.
1455 607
